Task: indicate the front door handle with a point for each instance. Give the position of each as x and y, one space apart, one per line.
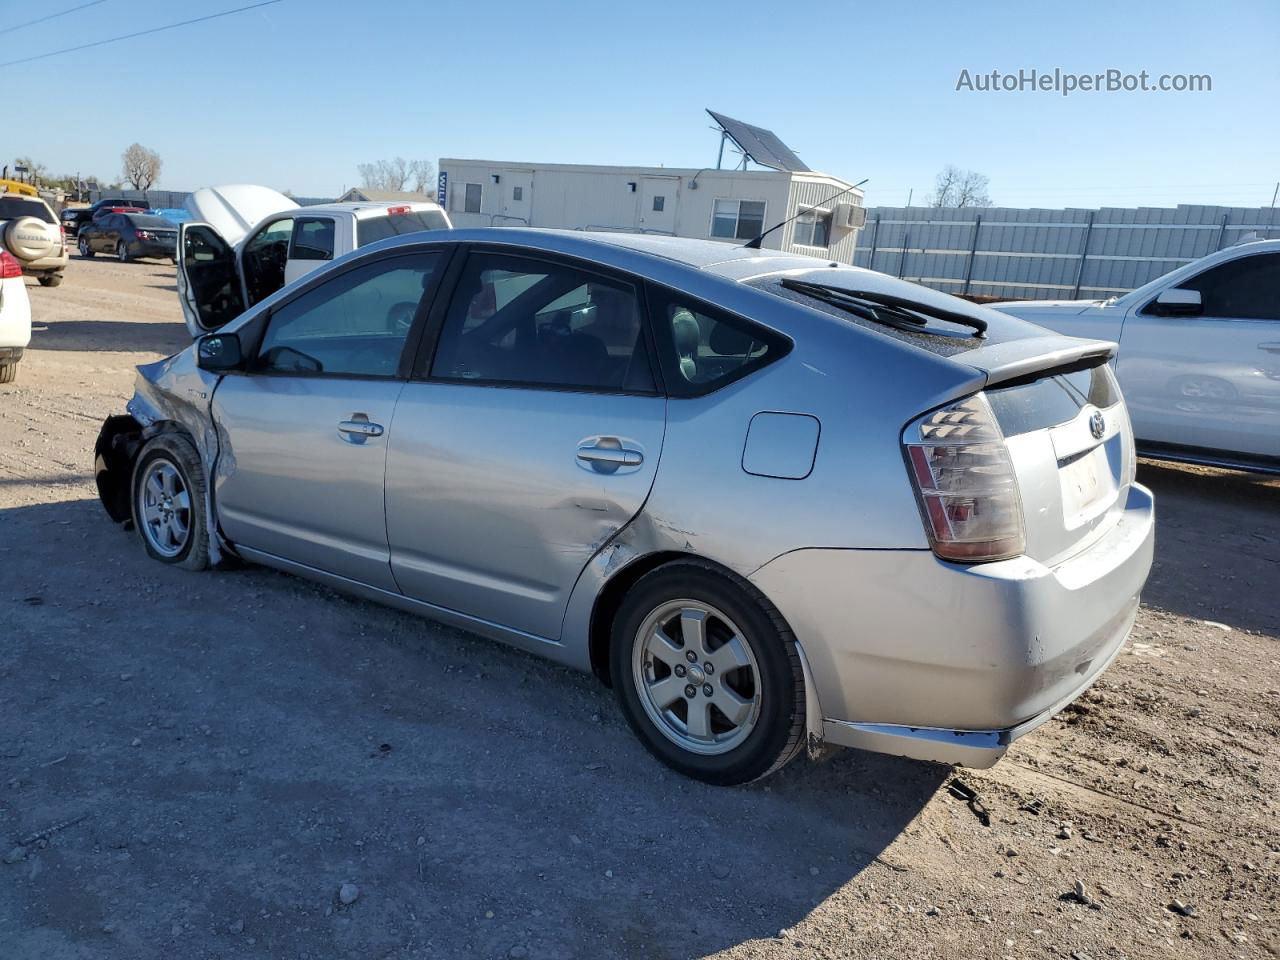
359 428
607 455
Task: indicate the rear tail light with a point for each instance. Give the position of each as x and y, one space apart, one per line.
965 482
9 266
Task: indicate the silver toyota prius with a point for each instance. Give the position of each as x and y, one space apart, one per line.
772 501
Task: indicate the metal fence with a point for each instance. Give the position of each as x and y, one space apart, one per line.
1049 254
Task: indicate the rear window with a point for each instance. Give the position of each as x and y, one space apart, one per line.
1052 400
395 225
152 223
11 208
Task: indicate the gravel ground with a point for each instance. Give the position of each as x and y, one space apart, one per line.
196 764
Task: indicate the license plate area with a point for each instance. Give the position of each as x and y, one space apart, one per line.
1088 486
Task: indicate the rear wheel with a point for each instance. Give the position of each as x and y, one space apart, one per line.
51 280
86 251
122 252
708 674
8 373
169 506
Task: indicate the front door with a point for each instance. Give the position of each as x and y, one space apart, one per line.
658 204
304 433
1212 380
208 280
533 440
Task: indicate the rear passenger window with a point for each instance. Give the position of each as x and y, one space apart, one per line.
353 325
312 239
702 349
518 321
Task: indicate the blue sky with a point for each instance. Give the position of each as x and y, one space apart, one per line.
295 95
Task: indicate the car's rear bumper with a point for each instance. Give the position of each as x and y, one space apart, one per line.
159 251
938 661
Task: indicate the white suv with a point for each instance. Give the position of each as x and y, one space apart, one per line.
15 316
245 242
31 233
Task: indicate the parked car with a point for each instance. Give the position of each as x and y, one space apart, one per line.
31 234
245 242
1199 357
771 501
15 316
129 236
73 218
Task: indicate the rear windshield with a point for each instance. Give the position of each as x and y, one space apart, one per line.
394 225
11 208
157 223
1052 400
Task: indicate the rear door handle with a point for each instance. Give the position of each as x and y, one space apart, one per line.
1273 347
607 455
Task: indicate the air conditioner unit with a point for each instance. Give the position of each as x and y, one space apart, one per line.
849 216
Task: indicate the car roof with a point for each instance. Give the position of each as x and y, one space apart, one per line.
362 208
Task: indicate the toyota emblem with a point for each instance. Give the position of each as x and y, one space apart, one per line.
1097 425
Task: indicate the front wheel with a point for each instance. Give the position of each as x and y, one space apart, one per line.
169 504
708 675
122 252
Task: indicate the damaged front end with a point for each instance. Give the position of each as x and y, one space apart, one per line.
170 394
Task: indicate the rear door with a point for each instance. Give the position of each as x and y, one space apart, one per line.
1210 381
209 285
311 246
304 433
528 439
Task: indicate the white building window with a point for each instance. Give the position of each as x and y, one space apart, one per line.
471 200
738 219
813 229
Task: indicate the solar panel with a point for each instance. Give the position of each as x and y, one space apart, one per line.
760 145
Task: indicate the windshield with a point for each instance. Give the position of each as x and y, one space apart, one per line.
396 225
11 208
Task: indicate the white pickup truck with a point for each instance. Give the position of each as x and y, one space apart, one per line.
245 242
1199 359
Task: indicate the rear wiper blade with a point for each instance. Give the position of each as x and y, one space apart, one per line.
885 308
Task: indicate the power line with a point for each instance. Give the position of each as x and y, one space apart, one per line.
140 33
52 16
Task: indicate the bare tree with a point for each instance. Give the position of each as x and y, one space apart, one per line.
959 188
423 173
396 174
140 166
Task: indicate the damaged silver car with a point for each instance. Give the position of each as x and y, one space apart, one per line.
770 500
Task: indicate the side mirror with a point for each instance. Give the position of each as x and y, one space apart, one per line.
219 352
1180 303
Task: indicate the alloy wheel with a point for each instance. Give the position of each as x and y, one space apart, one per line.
164 505
697 677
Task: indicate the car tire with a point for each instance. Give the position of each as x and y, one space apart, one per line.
122 252
8 373
51 280
674 702
169 502
86 251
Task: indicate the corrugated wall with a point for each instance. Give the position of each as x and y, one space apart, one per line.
1049 254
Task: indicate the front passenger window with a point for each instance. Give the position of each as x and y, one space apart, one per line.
355 324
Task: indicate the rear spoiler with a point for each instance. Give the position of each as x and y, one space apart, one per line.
1033 357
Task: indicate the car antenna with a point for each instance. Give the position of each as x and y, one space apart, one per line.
754 242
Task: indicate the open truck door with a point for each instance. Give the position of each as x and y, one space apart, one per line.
209 283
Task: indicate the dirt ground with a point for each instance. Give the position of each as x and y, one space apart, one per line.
191 765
